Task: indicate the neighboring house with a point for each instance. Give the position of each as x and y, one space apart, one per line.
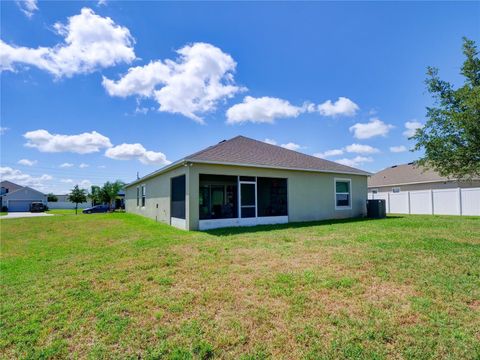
62 198
18 198
63 203
241 182
409 177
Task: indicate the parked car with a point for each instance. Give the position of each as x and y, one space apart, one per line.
38 207
96 209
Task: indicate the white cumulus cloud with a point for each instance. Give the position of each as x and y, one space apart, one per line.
268 109
66 181
28 7
375 127
83 166
289 145
137 151
21 178
85 184
353 148
356 161
411 128
329 153
90 42
398 149
27 162
66 165
342 107
81 144
261 110
361 149
191 85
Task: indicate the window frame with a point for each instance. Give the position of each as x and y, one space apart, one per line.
143 195
349 206
240 206
138 196
173 179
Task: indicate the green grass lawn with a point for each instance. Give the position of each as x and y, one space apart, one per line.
3 213
64 211
122 286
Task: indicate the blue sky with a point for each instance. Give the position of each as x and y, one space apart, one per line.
339 80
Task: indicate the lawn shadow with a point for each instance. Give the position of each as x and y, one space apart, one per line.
237 230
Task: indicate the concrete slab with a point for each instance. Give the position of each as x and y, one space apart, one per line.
16 215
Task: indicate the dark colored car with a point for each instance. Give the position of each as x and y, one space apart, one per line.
96 209
38 207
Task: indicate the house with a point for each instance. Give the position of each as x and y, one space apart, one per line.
242 182
410 177
18 198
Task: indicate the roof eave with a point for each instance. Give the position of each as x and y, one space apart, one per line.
163 170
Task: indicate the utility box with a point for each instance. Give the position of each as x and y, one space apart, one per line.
376 209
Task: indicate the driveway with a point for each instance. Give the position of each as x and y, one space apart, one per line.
15 215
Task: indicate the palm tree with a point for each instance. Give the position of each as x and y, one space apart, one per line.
95 195
110 190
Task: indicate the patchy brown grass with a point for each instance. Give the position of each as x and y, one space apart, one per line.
117 285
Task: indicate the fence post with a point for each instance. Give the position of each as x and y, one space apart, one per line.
408 201
388 197
431 201
460 201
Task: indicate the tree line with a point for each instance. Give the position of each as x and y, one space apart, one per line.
105 194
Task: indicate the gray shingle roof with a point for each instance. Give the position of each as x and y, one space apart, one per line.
245 151
404 174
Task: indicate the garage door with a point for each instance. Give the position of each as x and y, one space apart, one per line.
19 205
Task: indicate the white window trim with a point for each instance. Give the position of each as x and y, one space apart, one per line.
350 196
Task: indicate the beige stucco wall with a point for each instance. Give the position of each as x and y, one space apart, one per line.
311 195
428 186
157 191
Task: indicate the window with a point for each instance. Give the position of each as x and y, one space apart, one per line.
143 196
272 197
177 196
396 189
343 194
138 196
218 197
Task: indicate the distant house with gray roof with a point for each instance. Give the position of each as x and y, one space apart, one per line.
242 182
19 198
411 177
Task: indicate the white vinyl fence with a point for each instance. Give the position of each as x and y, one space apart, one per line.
435 202
66 205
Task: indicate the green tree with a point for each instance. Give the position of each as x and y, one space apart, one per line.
77 196
451 135
51 197
95 195
110 191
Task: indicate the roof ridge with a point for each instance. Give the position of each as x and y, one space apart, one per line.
211 147
298 152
